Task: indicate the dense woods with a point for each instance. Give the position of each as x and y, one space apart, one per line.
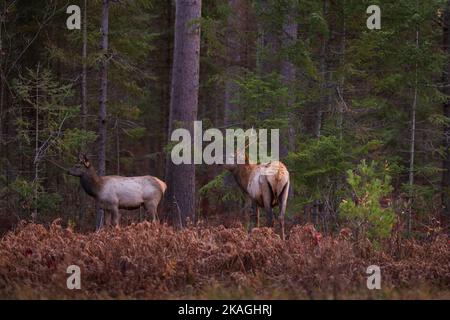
364 122
340 93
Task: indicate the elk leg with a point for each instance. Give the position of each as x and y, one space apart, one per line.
257 215
269 217
256 212
267 199
107 217
151 209
283 203
115 217
269 213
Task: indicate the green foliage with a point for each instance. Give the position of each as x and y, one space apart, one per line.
219 192
74 139
263 100
48 100
24 191
368 185
317 166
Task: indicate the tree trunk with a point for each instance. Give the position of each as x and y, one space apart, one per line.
324 101
183 106
83 110
36 157
117 132
323 72
103 100
84 71
2 88
412 146
445 183
340 88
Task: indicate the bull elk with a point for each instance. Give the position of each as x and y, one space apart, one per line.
117 192
266 184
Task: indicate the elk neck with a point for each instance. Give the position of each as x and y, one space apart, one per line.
242 174
91 182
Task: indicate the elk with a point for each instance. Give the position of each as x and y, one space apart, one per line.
266 184
117 192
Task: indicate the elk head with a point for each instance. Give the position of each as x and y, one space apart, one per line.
82 167
239 158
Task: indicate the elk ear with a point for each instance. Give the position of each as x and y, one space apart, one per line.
84 160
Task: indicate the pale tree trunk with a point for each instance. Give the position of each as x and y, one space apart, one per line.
103 101
323 72
445 183
36 160
83 110
340 94
340 88
412 145
323 103
183 107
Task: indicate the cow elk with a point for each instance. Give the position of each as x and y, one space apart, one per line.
117 192
266 184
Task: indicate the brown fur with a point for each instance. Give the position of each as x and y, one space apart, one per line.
265 190
117 192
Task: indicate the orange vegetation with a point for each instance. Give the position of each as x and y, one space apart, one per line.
154 261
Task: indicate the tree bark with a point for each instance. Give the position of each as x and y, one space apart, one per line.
324 101
323 72
36 160
84 70
103 101
117 132
445 182
83 109
183 107
412 146
340 89
2 88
